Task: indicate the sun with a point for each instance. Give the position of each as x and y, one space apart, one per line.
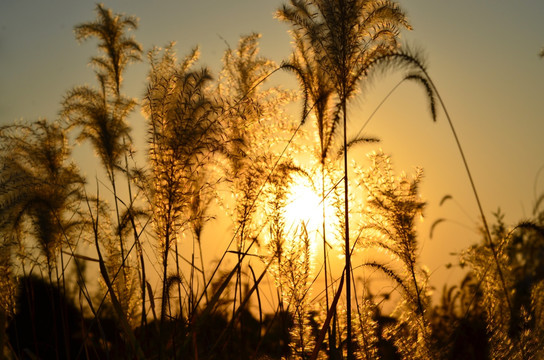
305 206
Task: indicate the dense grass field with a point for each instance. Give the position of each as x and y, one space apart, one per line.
247 230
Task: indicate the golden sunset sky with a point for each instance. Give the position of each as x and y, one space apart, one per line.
482 56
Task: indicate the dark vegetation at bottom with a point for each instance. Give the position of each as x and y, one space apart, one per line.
49 325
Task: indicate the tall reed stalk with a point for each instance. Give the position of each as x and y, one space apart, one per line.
348 35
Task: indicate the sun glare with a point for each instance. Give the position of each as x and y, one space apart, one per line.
304 205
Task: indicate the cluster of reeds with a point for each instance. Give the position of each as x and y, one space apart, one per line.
394 206
117 267
513 314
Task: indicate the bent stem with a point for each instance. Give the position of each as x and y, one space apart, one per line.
476 196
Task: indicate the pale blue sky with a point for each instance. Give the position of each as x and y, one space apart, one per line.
482 55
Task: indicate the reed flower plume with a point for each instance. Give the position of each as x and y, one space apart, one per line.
514 329
250 110
118 49
102 121
41 188
393 206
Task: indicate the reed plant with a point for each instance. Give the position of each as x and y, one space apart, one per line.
290 258
348 39
393 207
182 131
101 118
229 140
41 197
513 328
253 122
42 191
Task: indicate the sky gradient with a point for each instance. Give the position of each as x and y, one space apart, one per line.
482 56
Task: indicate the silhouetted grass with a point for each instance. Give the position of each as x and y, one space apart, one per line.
83 279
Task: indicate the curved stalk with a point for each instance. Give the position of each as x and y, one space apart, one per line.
477 198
